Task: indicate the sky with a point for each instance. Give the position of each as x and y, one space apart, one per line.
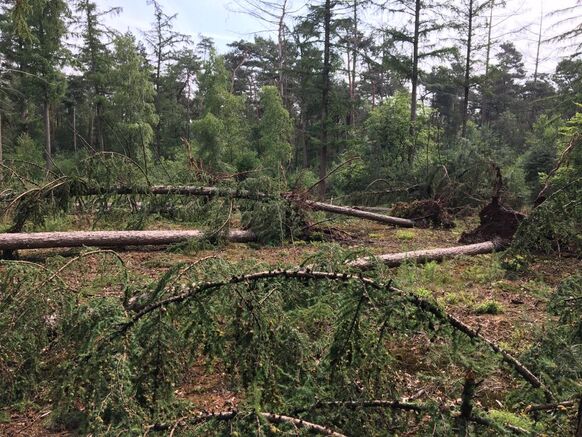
219 20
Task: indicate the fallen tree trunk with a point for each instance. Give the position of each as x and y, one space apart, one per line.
344 210
80 189
180 190
423 256
245 194
45 240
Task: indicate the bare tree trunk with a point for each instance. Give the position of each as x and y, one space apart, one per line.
344 210
487 61
354 56
467 72
281 49
413 96
539 45
424 256
1 147
490 26
75 128
47 135
99 127
325 100
44 240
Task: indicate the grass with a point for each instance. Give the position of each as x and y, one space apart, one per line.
405 235
489 307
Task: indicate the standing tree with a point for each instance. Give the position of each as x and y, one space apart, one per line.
131 107
95 61
275 130
163 43
38 53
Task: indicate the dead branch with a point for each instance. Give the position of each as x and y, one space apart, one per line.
230 415
549 407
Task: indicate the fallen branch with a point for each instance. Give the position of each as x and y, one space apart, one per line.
552 406
44 240
376 403
423 304
230 415
423 256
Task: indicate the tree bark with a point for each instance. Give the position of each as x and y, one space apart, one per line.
325 100
535 79
344 210
75 128
1 147
423 256
413 96
47 135
45 240
467 72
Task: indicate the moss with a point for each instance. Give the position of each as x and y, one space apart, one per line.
506 418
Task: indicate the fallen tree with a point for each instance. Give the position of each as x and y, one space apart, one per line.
75 188
423 256
45 240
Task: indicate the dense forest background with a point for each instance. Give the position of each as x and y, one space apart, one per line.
405 109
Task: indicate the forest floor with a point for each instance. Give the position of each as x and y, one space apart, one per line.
461 286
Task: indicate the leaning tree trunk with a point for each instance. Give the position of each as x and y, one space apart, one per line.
45 240
423 256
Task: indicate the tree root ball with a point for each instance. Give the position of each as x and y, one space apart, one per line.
496 222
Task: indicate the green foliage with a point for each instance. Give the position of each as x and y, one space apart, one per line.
489 307
131 105
274 130
388 129
554 225
274 221
283 342
556 354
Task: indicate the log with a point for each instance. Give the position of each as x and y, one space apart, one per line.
45 240
344 210
423 256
